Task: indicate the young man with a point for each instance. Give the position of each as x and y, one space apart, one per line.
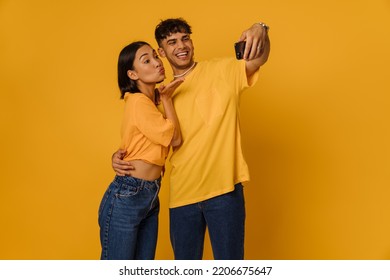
209 167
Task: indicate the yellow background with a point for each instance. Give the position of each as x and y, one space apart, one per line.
315 127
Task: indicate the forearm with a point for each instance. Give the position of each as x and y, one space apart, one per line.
170 114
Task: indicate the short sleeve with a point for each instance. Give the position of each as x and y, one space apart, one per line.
152 123
235 72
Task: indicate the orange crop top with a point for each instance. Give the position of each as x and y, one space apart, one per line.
146 133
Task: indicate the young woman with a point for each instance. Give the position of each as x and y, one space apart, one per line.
128 213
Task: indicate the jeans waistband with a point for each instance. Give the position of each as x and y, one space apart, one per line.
136 181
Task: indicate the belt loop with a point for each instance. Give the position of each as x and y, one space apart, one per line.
142 184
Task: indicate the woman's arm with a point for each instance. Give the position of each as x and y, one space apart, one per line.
170 113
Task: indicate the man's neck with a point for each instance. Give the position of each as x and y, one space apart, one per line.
184 72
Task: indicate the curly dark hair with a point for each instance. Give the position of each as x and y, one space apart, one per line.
170 26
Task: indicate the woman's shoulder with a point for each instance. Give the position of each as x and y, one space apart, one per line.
139 101
131 97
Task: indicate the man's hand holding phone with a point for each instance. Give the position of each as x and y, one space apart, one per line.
252 42
239 47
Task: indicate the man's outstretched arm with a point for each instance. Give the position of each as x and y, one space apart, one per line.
257 47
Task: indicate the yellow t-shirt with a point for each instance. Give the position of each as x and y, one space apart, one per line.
210 161
146 134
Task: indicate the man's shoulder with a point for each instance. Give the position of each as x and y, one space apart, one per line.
218 60
219 63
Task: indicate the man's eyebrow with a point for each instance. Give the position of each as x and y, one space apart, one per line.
171 40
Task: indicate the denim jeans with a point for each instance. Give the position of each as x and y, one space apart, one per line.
128 219
224 217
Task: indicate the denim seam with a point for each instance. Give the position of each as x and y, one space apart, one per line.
155 196
107 228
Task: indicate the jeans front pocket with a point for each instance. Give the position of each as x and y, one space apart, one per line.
127 191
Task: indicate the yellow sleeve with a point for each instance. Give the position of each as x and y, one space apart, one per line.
152 123
235 72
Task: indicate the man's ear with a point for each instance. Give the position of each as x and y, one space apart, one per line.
161 52
132 75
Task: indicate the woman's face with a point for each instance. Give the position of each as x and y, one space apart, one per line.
148 67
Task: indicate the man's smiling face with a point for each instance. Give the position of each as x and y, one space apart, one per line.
179 51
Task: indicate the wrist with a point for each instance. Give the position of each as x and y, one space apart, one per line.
166 100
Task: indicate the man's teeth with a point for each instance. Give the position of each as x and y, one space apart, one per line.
182 54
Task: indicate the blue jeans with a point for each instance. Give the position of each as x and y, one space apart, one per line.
128 219
224 216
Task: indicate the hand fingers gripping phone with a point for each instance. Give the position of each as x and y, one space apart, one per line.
239 47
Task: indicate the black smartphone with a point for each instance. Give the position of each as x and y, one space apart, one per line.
239 47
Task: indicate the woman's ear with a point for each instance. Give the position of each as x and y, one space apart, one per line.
161 52
132 75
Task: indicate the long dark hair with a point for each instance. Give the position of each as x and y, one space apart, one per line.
125 63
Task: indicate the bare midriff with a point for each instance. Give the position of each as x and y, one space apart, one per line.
144 170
